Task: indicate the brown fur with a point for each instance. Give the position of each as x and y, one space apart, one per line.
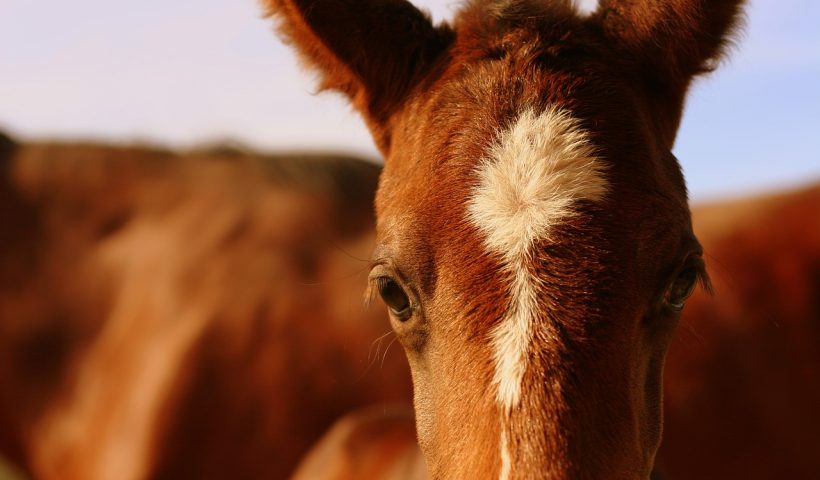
182 316
742 378
592 398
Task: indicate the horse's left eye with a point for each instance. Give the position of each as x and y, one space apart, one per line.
682 288
394 296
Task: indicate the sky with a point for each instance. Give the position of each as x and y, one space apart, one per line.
183 72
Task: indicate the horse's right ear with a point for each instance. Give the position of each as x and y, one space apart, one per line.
374 51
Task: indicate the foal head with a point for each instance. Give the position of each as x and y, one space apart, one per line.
534 241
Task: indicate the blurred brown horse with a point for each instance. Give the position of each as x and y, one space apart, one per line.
743 374
183 316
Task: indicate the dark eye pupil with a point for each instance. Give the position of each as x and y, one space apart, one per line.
393 295
682 288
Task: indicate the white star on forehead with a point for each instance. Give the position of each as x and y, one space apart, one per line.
531 179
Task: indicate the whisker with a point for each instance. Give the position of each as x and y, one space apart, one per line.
377 340
371 359
348 254
731 281
723 272
336 279
690 329
387 350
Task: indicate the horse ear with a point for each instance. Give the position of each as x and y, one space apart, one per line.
670 41
373 51
685 37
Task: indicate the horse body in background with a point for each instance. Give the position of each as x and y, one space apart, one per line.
743 373
534 242
182 316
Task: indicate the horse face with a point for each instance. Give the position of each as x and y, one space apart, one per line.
534 240
529 240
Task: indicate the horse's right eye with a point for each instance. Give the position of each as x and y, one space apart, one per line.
394 296
682 288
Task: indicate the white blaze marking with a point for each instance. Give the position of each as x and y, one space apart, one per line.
530 180
504 473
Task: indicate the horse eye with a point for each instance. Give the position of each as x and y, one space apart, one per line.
682 288
394 296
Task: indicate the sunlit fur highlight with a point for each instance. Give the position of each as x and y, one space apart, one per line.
534 174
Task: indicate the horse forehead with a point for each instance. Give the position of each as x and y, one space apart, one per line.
503 195
512 153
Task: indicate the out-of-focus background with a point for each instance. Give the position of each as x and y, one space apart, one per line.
175 304
183 72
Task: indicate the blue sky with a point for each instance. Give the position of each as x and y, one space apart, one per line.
184 72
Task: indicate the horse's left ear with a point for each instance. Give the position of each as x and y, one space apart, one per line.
670 41
373 51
